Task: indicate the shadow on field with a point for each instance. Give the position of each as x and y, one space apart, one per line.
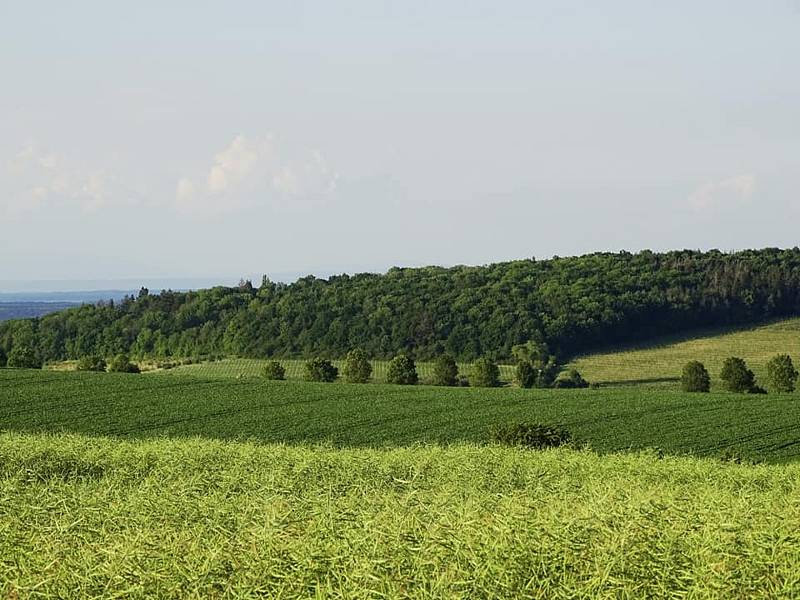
635 382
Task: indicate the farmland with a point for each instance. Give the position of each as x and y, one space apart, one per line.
761 428
253 367
660 361
95 517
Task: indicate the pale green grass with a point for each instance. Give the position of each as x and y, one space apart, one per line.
253 367
94 518
661 362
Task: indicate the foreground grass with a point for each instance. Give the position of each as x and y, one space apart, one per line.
93 517
759 428
660 362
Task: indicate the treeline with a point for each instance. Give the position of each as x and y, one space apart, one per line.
566 305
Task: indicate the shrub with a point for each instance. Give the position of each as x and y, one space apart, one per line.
320 369
485 373
531 435
445 371
122 364
572 379
357 368
3 358
547 373
526 375
91 363
695 377
736 376
402 370
23 357
781 374
274 370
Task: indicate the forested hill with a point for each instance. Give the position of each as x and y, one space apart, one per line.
573 304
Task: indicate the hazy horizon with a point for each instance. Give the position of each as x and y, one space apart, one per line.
201 141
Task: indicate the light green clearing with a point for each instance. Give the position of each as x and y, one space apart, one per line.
661 362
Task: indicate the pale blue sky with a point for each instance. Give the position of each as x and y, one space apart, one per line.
205 139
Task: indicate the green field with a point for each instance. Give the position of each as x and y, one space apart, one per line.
660 362
93 517
762 428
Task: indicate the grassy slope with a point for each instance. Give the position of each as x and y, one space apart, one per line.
608 419
661 361
92 517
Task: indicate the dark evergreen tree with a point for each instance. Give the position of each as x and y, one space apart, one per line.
274 370
485 373
735 375
781 374
23 357
695 377
320 369
402 370
91 363
445 371
357 368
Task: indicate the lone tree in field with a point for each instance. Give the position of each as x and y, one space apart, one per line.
781 374
122 364
527 374
274 370
695 377
445 371
357 368
23 357
91 363
402 370
485 373
736 376
320 369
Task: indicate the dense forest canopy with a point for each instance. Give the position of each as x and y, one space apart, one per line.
572 304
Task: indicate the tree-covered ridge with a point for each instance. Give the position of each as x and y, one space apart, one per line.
571 304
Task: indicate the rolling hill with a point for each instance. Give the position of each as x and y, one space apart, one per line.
661 360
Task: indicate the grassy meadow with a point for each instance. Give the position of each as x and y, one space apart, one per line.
95 517
660 362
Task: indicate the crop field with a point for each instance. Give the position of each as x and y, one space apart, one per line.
253 367
759 428
95 517
661 362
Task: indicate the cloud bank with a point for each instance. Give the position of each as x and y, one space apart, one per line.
736 190
36 178
255 172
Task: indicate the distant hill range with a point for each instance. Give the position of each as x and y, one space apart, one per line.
566 306
26 310
25 305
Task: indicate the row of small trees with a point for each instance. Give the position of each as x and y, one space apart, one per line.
737 377
23 357
402 370
119 364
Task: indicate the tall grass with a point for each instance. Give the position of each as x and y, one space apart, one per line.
91 517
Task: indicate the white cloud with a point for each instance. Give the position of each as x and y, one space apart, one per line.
35 178
256 171
736 190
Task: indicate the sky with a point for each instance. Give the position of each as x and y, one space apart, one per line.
215 139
